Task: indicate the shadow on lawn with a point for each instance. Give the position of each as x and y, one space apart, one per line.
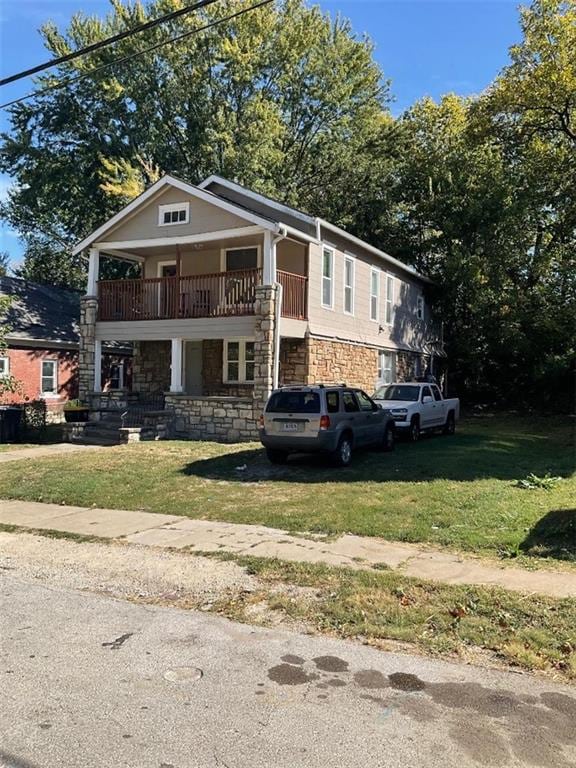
554 535
463 457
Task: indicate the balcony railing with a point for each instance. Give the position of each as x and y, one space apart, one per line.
221 294
294 294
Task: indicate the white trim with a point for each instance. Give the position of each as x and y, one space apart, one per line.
420 307
215 179
375 271
348 257
170 208
166 242
54 377
120 255
6 372
241 361
374 250
167 263
176 361
93 272
189 189
97 365
224 251
389 301
381 378
332 252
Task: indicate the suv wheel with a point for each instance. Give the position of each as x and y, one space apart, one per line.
342 456
389 438
276 457
414 431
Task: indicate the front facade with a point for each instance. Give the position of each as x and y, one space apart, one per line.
237 294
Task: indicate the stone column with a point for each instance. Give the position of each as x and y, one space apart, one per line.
265 307
87 351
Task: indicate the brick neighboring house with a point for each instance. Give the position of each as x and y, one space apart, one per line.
43 344
239 293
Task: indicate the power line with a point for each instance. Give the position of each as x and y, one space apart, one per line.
108 41
176 39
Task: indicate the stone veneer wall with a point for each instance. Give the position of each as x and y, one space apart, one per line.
88 311
213 370
406 369
151 366
225 420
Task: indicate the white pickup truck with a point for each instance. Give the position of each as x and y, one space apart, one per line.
417 407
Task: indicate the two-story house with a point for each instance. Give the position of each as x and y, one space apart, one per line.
239 293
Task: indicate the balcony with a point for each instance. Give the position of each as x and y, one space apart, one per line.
221 294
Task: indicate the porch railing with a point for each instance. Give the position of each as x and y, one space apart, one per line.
221 294
294 294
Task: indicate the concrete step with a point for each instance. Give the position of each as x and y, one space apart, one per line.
95 440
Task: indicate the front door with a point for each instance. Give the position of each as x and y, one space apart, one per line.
193 367
168 293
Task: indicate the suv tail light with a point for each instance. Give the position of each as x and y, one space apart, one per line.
261 421
324 422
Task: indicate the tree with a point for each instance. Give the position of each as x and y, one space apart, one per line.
4 263
537 91
8 384
282 99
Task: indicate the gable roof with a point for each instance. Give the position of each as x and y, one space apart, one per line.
304 221
189 189
42 313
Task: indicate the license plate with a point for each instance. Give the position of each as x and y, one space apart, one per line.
290 426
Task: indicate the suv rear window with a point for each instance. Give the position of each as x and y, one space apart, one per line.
294 402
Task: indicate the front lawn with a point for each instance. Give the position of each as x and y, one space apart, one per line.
456 491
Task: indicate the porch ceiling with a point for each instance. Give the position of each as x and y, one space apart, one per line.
152 249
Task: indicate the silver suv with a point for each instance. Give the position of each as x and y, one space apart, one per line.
327 418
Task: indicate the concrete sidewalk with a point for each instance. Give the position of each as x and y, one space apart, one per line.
42 451
171 531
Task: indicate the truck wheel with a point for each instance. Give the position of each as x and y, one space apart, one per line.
414 433
342 456
276 457
389 439
450 426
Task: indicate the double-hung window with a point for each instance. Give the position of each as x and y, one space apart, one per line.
386 368
349 276
49 377
238 362
116 375
420 307
327 277
4 367
389 313
374 294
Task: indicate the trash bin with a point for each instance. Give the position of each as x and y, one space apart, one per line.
10 420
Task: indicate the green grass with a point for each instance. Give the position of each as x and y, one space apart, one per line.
534 633
459 491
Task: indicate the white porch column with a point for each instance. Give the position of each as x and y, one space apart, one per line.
176 366
97 365
269 259
93 270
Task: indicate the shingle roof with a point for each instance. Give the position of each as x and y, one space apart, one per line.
41 312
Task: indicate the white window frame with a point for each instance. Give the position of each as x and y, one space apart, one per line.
375 317
389 300
390 368
169 208
420 307
327 249
120 376
5 360
241 361
349 259
224 251
54 377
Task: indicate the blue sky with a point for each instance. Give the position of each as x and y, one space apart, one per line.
426 47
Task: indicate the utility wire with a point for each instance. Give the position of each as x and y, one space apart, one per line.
108 41
176 39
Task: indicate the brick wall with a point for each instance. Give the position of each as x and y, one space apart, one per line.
26 367
151 366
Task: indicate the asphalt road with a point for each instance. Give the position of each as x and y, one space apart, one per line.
90 681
